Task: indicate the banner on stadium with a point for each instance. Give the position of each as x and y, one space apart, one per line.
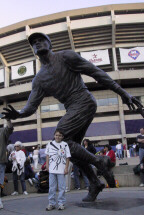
22 71
100 57
133 55
1 75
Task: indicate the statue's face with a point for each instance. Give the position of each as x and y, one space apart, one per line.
40 45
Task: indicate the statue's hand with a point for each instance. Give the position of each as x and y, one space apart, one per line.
131 102
10 113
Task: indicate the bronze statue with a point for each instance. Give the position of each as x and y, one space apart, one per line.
60 76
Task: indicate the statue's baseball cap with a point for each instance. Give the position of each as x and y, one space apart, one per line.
38 34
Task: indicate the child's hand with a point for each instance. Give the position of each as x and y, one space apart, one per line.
66 170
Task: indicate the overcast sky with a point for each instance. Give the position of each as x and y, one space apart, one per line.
13 11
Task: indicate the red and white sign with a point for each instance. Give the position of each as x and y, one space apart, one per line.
1 75
100 57
133 55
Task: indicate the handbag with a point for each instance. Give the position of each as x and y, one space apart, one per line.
137 169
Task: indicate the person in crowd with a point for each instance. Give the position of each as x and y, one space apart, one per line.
60 77
5 133
68 177
57 162
10 148
134 148
89 146
76 172
28 171
140 141
119 150
102 152
109 152
125 150
122 150
35 157
24 150
30 156
137 149
18 158
42 155
131 150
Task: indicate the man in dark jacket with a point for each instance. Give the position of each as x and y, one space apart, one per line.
4 136
60 76
140 141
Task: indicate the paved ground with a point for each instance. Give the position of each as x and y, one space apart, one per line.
121 201
130 161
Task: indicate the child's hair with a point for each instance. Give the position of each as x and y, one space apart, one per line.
60 131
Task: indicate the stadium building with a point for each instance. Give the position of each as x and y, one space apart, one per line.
111 37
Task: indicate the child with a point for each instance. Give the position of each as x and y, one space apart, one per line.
57 162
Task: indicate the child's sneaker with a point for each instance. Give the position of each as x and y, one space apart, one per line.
50 207
25 193
61 207
14 193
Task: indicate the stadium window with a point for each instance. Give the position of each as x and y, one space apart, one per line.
107 102
53 107
113 101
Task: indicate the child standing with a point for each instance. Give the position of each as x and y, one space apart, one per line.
57 162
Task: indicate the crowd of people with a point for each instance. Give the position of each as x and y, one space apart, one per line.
53 160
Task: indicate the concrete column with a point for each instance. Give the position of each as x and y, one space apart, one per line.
27 31
39 133
115 68
7 77
122 121
113 27
5 105
114 60
70 33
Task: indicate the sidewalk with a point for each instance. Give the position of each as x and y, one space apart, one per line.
130 161
121 201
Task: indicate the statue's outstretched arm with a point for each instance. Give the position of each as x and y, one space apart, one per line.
35 98
78 64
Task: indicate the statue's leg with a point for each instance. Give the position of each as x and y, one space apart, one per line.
101 162
74 125
76 121
96 186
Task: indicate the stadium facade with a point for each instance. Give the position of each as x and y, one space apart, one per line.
114 28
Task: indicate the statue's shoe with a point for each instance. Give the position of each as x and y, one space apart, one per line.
94 190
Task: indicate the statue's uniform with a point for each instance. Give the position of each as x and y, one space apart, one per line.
61 78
